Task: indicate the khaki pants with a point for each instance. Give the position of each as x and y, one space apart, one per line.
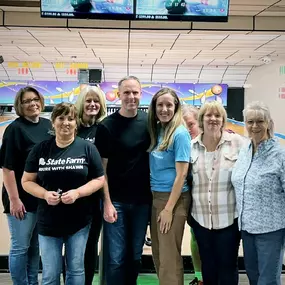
166 248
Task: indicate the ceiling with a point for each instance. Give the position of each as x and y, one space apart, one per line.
165 55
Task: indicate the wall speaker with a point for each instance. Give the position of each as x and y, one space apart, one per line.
95 75
1 59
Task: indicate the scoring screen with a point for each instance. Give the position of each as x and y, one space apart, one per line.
181 9
88 9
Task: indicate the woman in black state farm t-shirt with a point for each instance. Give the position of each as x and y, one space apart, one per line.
19 138
63 172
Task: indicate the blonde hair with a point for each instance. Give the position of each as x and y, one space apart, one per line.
260 109
19 97
154 126
212 105
91 91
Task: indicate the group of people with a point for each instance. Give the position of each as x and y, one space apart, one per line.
51 173
65 177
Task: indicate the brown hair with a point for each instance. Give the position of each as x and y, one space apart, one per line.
64 109
172 125
19 97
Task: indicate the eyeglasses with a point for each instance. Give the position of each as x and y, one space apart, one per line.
257 122
29 101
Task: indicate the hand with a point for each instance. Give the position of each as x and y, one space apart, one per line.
110 213
69 197
17 209
165 220
52 198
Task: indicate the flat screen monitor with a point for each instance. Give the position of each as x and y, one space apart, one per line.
182 10
88 9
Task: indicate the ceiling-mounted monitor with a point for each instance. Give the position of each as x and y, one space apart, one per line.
88 9
182 10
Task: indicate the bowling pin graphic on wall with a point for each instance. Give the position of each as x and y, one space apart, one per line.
71 96
203 98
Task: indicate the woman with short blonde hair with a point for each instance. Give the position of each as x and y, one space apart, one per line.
212 105
213 213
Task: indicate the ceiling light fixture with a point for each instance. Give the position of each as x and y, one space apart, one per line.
266 60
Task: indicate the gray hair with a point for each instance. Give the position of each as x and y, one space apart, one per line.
189 109
261 109
130 77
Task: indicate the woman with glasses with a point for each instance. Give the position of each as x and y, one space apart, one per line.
19 206
259 182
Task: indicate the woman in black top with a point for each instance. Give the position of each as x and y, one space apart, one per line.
19 138
62 172
91 106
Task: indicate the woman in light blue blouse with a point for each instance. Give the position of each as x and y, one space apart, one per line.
259 181
169 161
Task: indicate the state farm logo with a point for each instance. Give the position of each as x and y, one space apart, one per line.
42 161
61 161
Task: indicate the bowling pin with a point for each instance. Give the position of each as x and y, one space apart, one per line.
219 99
203 98
71 96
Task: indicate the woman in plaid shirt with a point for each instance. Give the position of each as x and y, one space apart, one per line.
213 213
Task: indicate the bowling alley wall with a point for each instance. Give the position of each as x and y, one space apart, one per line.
267 84
67 91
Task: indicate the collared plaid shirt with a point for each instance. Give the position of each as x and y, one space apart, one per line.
214 202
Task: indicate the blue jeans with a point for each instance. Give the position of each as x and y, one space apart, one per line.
123 243
24 250
263 256
51 253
